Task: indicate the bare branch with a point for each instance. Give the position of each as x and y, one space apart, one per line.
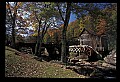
39 28
60 12
46 28
36 16
10 11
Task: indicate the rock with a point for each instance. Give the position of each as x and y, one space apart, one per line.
61 66
109 65
105 64
111 59
87 63
79 58
46 52
98 63
74 61
72 54
82 57
56 50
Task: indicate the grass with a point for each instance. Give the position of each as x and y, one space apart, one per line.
26 66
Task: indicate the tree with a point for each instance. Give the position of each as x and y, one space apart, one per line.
22 24
81 25
65 15
47 38
70 33
101 26
43 15
89 12
11 9
56 36
110 14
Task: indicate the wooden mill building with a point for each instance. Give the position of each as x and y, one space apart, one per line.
97 42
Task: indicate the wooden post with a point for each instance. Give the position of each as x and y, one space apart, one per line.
79 51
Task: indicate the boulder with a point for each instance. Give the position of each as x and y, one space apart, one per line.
108 66
111 59
46 52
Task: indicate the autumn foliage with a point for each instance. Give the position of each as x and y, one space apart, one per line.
101 26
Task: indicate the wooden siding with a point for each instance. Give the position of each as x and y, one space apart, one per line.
98 43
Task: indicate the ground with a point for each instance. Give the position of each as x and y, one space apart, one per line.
18 64
24 65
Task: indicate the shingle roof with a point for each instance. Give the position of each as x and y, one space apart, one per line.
89 31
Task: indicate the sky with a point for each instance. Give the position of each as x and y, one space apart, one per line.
72 18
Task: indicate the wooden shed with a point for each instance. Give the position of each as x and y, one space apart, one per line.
97 42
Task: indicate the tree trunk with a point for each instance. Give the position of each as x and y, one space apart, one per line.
37 46
38 40
13 24
13 32
63 50
41 38
40 46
